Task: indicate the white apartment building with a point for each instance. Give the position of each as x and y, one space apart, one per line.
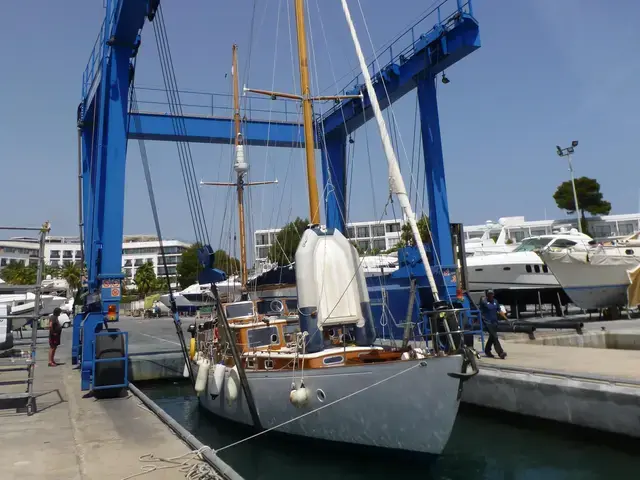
385 234
60 251
380 236
600 227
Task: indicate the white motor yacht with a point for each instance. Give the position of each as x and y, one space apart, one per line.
521 275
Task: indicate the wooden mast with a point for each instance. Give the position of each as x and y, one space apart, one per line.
307 110
307 114
240 180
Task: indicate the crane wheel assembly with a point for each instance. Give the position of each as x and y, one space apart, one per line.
111 372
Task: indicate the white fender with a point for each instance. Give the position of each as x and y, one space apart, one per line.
405 356
299 396
203 373
216 379
185 372
233 382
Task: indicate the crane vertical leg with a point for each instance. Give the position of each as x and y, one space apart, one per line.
334 179
107 169
436 185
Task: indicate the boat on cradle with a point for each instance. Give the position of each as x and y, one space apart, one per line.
281 372
22 304
596 277
521 276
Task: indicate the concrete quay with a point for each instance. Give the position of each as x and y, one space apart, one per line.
585 384
75 436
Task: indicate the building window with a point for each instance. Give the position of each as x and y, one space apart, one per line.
518 236
363 231
393 227
626 228
3 262
262 239
393 242
363 244
351 233
139 262
127 263
536 232
55 253
379 244
263 252
603 230
377 231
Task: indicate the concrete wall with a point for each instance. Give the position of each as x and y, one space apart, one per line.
603 406
613 340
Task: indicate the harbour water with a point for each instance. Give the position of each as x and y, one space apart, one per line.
484 445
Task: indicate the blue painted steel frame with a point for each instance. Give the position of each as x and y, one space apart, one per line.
206 129
104 141
103 121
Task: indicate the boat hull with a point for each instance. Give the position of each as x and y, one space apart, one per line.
403 405
599 282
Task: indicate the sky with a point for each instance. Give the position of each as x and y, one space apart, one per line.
548 72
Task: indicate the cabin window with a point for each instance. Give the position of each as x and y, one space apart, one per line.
536 268
292 305
563 243
251 363
290 333
506 268
545 269
528 268
262 337
629 251
335 360
268 364
478 269
239 310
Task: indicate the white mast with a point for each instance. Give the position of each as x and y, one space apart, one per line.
395 177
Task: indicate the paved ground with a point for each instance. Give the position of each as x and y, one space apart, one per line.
76 437
572 360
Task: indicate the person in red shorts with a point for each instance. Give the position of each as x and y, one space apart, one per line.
55 329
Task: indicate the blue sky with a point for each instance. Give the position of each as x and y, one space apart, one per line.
548 72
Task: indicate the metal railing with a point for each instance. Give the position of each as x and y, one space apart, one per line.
94 64
27 399
195 103
405 45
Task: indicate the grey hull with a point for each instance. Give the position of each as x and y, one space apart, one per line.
401 405
599 296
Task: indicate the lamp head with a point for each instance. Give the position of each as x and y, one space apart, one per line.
559 150
574 143
445 80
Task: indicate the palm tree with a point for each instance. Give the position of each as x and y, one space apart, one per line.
72 273
145 279
17 273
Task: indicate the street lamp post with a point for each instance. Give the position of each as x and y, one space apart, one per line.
566 152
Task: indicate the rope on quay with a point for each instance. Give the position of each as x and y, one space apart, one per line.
214 468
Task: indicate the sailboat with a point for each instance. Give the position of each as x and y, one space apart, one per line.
316 372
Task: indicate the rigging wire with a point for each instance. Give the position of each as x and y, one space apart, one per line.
154 210
184 149
384 85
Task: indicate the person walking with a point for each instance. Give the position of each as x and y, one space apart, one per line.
55 330
491 308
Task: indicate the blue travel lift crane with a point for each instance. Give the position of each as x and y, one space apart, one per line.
105 122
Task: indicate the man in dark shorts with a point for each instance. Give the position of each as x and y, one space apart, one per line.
55 329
